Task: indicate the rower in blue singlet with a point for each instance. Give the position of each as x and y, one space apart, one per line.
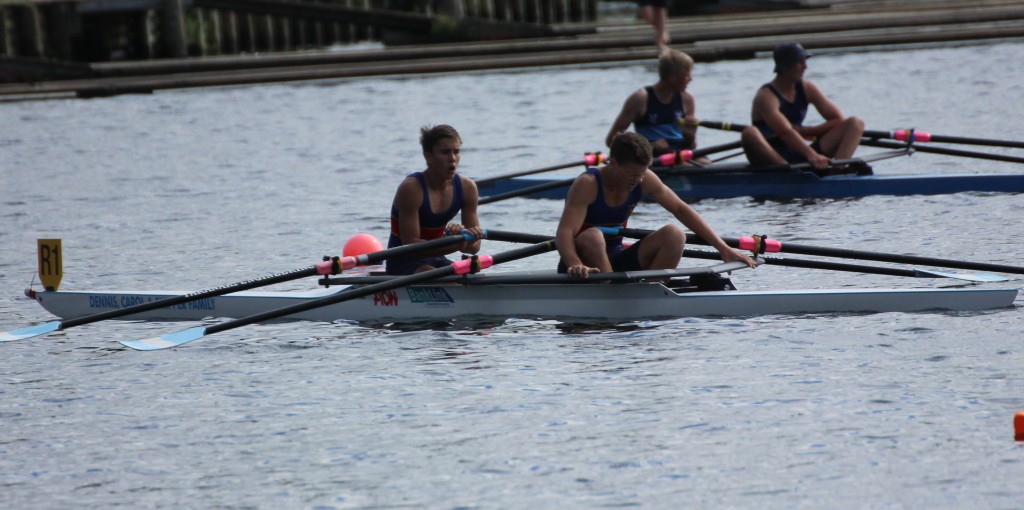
600 214
660 121
413 215
655 111
606 197
795 112
432 226
778 135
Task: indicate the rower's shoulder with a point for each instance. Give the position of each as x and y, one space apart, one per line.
409 189
467 183
586 180
811 88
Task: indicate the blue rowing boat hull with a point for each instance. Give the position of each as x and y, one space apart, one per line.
795 185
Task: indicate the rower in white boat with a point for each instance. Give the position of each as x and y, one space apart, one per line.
606 196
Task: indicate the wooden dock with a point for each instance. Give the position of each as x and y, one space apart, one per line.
847 25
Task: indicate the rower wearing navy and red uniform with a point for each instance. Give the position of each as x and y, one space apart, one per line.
606 196
778 112
601 214
655 110
426 202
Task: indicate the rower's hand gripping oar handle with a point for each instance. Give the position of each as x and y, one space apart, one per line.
335 265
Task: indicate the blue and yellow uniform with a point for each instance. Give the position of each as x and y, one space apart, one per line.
661 120
431 227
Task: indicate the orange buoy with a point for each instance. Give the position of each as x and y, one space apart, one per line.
361 244
1018 426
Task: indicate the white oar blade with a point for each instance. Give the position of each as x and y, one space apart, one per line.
166 341
975 277
21 334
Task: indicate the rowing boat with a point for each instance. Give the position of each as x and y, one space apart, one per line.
701 184
613 297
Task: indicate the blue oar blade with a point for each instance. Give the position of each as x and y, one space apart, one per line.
972 277
166 341
29 332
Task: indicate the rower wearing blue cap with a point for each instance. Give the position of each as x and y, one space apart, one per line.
778 135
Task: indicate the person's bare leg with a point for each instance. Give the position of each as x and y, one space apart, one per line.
663 248
590 246
656 17
660 20
758 151
842 141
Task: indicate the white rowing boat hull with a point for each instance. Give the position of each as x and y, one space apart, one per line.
583 302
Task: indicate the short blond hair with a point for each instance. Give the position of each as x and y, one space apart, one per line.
673 61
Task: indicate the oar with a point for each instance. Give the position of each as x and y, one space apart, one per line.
924 136
465 266
553 277
854 268
943 150
728 126
786 167
667 159
589 159
529 190
760 244
332 266
713 124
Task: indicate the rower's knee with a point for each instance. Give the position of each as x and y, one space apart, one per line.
590 242
671 237
854 125
750 136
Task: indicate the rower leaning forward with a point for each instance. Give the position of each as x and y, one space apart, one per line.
606 197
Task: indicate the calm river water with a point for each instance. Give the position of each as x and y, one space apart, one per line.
192 189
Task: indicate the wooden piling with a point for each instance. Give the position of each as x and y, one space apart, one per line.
174 28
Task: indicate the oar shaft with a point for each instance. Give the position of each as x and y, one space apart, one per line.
978 141
369 258
713 149
358 292
490 180
527 191
336 298
766 169
724 126
824 251
943 150
903 134
566 182
194 296
411 249
812 264
516 237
